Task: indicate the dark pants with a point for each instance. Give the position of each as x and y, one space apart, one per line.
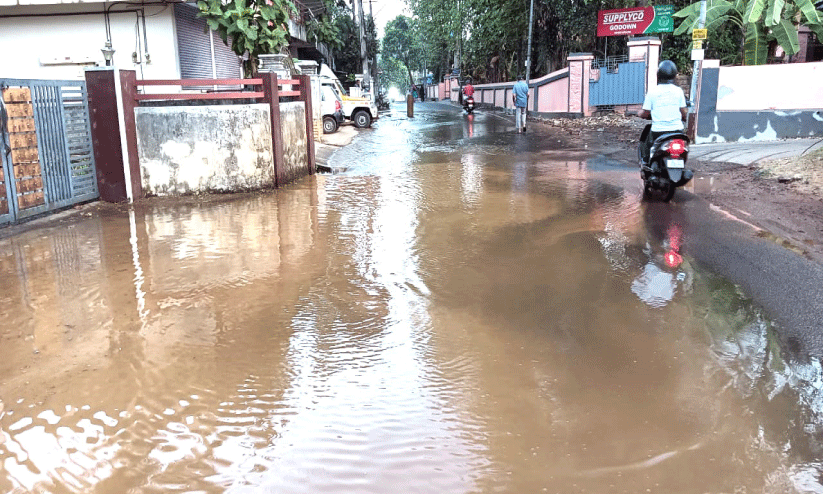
647 146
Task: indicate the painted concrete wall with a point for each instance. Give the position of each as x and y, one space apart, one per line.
196 149
794 86
295 150
554 96
548 94
76 40
717 125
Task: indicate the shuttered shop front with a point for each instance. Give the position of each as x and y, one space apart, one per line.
194 47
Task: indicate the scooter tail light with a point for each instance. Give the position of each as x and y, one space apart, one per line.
676 147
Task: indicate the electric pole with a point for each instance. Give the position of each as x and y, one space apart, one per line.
698 64
363 51
529 53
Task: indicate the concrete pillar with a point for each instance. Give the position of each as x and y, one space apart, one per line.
646 50
580 66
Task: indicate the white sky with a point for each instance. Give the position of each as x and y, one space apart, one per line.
385 11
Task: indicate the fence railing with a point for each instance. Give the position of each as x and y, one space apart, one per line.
266 89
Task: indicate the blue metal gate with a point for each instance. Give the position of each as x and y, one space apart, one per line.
45 147
617 83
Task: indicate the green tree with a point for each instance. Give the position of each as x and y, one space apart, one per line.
394 73
759 22
401 42
256 27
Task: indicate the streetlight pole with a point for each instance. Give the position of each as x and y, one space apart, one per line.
529 54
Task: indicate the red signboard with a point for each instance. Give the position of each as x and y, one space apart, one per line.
624 21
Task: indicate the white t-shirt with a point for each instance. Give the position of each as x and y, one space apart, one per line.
664 101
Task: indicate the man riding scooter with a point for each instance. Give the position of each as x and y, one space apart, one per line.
467 100
664 105
664 148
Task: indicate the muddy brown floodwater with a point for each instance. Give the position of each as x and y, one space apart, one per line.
463 309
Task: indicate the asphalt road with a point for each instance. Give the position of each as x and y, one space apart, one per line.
788 285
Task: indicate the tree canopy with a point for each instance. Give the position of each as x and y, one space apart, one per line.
401 42
488 39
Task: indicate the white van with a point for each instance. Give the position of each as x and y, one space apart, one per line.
331 106
361 111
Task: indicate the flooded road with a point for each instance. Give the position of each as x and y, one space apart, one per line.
462 309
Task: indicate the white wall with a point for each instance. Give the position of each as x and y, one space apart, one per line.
28 40
789 86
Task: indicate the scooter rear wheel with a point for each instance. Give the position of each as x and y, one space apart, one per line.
669 192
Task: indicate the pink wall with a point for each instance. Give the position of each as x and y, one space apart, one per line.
791 86
554 96
499 100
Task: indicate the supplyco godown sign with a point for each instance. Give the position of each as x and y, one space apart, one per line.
640 20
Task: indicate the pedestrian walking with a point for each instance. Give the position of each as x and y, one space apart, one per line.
520 98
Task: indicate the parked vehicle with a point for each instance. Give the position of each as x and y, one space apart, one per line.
666 169
331 106
382 101
361 111
468 104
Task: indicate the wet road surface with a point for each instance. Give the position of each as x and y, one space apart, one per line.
460 309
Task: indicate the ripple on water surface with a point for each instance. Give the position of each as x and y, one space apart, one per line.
462 318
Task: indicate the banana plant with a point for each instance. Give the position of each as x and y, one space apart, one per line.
760 22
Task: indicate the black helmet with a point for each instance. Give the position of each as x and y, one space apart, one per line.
666 72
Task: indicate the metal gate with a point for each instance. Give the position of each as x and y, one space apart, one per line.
617 82
45 147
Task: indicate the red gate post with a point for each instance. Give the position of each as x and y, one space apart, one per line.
128 80
305 97
105 135
272 96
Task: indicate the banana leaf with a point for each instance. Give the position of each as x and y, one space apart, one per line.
809 11
754 10
756 47
786 34
716 10
774 12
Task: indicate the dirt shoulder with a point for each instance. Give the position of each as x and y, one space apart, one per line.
783 197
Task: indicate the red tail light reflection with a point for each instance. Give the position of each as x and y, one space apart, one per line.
673 259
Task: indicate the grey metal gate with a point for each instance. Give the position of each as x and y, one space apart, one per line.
616 82
45 147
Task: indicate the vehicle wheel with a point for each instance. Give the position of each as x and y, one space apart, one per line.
329 125
669 192
361 119
647 190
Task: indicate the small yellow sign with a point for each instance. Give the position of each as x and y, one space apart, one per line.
698 34
697 44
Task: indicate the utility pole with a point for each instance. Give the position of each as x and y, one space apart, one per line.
363 52
529 53
374 62
458 47
698 64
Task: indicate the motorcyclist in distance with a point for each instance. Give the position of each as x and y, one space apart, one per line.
468 89
664 105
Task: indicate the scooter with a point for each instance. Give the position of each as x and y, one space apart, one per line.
666 169
468 104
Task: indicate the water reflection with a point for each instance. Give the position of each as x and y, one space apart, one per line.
446 316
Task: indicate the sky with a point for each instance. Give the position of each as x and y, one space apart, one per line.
385 11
